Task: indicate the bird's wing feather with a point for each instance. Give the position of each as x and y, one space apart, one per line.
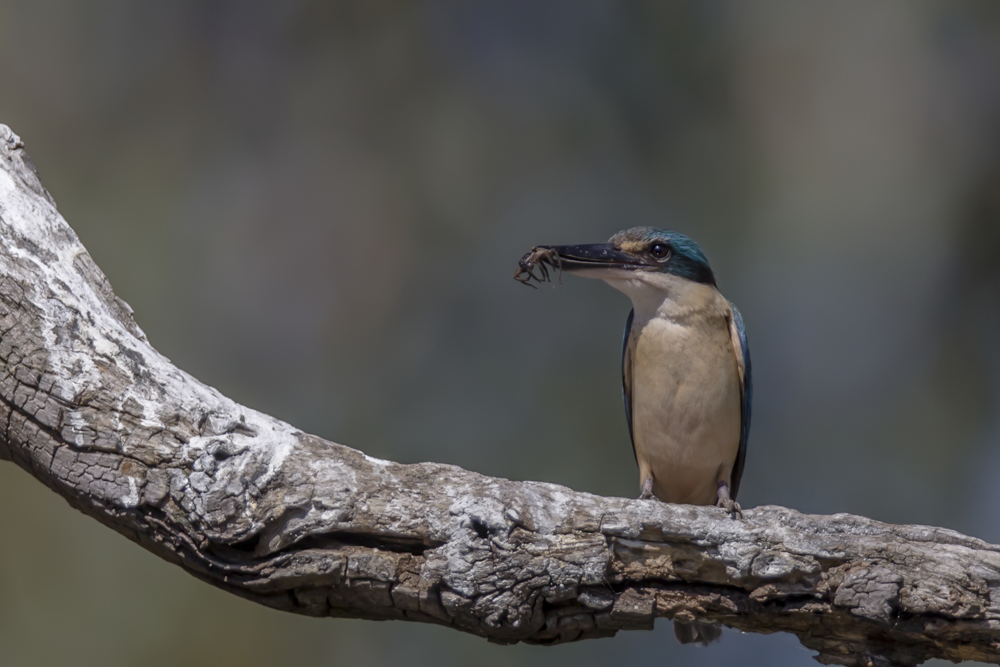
627 379
741 348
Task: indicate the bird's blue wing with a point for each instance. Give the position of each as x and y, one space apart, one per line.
627 379
738 333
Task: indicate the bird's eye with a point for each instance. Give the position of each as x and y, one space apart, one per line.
659 250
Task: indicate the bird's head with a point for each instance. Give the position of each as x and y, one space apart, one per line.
644 254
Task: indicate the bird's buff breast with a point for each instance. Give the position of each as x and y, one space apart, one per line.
686 406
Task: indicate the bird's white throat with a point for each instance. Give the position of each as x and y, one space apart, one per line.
662 295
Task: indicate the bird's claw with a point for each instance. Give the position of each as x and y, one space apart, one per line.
731 506
726 501
646 491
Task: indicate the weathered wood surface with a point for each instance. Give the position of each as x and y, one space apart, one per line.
258 508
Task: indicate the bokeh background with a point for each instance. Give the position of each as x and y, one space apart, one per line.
317 207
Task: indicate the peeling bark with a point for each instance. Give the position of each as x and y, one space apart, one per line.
258 508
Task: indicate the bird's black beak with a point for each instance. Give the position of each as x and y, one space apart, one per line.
593 256
583 259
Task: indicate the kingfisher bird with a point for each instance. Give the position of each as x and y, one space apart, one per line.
685 368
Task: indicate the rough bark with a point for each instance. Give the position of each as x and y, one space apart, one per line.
258 508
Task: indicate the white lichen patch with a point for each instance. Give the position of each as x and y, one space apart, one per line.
132 498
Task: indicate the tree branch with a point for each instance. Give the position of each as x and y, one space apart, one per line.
258 508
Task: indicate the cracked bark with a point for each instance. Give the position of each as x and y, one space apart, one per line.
251 505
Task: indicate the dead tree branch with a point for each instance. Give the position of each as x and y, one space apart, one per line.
252 505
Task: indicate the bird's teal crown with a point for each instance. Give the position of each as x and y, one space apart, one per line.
686 258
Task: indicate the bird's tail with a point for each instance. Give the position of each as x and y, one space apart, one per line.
701 634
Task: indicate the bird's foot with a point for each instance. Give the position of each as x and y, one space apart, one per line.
646 491
731 506
727 503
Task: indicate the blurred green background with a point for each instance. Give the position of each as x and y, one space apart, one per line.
317 207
